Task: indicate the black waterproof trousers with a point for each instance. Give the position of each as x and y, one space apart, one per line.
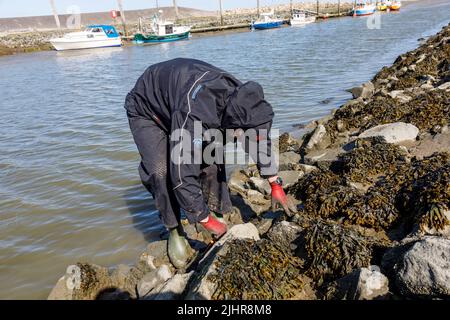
153 145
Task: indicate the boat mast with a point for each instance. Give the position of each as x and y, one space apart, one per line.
55 14
122 17
176 9
221 12
257 7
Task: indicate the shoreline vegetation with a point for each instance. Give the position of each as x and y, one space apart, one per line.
371 186
14 42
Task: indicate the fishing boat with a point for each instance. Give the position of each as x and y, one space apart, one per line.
163 31
300 19
363 9
382 6
395 5
94 36
267 21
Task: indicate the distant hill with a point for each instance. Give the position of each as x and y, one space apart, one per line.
48 22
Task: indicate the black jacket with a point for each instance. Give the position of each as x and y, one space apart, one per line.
178 92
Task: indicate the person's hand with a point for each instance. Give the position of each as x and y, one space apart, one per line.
279 197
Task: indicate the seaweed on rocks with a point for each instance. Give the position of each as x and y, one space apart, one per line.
257 270
393 191
376 209
323 193
334 250
371 157
434 218
425 110
428 197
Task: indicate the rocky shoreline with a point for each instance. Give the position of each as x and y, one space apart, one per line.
371 188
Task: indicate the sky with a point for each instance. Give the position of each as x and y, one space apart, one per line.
20 8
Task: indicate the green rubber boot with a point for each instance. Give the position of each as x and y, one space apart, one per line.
178 249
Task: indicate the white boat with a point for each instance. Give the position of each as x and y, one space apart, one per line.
94 36
300 19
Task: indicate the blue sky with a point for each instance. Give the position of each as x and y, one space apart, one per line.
18 8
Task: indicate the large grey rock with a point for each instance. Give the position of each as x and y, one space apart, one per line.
155 254
287 159
201 287
393 132
174 288
284 234
365 91
260 184
257 201
361 284
400 96
424 270
82 281
323 157
153 279
317 137
290 177
237 181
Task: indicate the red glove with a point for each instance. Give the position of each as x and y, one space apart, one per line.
215 226
279 197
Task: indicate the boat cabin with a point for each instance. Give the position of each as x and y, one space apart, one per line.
165 28
267 16
299 15
100 29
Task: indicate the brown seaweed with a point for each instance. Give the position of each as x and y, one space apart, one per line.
257 270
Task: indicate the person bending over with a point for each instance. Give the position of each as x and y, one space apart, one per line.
169 101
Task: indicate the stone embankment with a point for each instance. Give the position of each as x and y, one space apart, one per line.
370 189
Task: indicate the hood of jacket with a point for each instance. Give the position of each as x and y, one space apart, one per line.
247 108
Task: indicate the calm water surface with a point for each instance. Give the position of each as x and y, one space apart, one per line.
69 187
